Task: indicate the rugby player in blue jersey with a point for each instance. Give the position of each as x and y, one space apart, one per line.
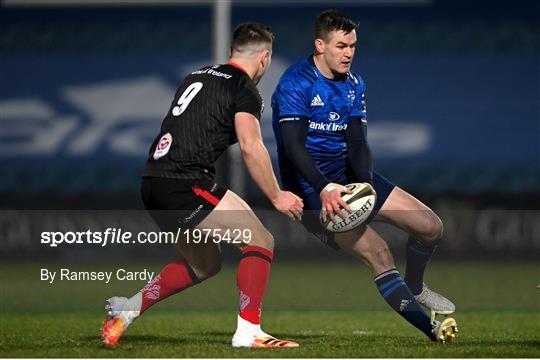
320 123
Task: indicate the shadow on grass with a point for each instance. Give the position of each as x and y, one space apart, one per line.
139 339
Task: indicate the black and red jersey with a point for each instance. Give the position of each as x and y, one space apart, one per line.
199 125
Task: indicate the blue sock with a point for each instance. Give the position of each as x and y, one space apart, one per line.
418 256
399 297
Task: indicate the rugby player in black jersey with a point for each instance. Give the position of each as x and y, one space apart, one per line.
214 107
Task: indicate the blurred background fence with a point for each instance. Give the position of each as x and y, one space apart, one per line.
453 99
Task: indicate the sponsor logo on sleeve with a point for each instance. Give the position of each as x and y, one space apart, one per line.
289 118
351 95
163 146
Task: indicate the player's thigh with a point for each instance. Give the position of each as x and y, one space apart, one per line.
177 206
366 244
312 223
383 187
236 223
410 214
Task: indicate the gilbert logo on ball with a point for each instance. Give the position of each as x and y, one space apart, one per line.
163 146
361 201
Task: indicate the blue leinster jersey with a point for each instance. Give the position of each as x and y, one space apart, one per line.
328 105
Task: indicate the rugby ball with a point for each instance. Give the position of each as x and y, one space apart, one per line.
361 201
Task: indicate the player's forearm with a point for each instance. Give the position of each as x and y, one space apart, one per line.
260 168
306 166
361 161
359 152
294 140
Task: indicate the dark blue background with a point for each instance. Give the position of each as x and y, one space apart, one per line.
468 76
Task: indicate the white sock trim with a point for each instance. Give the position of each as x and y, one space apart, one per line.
245 326
386 273
132 308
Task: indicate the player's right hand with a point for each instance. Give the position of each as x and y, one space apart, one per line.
289 204
332 203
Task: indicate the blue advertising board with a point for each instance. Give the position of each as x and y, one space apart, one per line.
69 120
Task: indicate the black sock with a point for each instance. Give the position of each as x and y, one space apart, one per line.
418 256
399 297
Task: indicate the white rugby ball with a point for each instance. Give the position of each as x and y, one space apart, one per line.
361 201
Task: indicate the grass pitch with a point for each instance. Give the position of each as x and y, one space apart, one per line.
333 310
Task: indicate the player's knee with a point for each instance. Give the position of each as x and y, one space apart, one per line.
262 238
432 229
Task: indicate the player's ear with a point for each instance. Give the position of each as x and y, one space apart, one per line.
319 46
269 57
265 58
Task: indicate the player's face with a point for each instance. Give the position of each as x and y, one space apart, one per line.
338 51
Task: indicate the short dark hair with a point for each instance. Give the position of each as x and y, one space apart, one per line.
330 20
251 33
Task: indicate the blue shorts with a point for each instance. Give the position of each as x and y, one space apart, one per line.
312 207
